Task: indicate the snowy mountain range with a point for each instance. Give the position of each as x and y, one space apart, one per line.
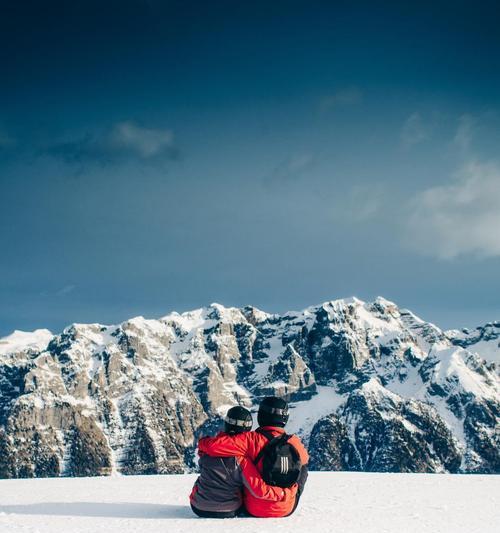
372 388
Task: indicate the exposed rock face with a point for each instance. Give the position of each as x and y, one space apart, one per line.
331 448
377 431
289 377
98 399
372 388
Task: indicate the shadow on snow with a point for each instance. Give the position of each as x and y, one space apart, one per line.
100 509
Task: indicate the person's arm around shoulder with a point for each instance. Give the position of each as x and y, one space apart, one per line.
258 488
224 445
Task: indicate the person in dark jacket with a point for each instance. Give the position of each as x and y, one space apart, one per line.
272 418
217 493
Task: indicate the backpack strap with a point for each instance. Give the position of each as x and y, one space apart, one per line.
271 440
267 434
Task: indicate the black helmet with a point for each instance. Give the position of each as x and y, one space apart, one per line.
273 411
238 420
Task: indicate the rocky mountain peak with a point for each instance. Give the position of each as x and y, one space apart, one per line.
371 386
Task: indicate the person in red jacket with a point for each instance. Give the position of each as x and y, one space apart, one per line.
272 418
217 493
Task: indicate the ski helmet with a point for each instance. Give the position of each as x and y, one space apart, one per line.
238 420
273 411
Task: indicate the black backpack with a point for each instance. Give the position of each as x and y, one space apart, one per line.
281 462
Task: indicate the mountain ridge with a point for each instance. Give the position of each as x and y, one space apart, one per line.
372 387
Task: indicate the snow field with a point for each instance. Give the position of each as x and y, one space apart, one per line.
332 502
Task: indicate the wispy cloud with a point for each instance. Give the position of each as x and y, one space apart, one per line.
124 141
460 217
65 290
414 131
366 201
361 203
62 291
465 130
145 142
292 168
342 97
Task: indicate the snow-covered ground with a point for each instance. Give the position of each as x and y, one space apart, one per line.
333 501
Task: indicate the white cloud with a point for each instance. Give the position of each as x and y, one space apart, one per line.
346 96
414 131
146 142
461 217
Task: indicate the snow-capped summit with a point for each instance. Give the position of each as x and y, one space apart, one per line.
19 341
484 340
371 386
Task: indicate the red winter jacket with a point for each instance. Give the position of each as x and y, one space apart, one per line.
249 444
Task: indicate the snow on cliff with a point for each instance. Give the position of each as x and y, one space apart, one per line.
372 387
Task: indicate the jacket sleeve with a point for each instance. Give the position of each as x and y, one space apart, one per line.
223 445
258 488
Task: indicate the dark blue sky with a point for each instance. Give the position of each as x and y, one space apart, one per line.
163 155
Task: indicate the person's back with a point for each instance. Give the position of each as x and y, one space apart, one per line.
217 493
218 487
272 417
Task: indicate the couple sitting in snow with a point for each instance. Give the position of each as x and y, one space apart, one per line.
260 472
